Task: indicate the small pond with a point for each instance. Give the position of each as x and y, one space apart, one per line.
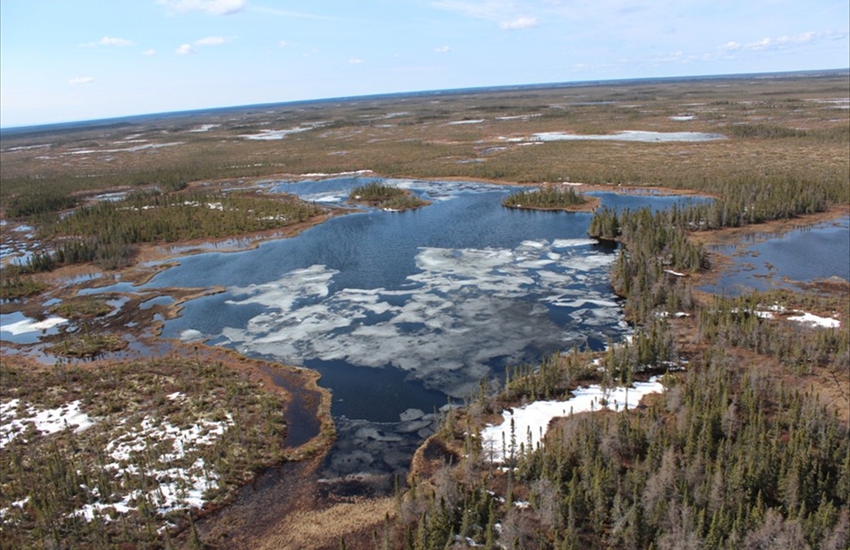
802 255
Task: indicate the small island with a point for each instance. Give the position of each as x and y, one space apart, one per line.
386 197
552 197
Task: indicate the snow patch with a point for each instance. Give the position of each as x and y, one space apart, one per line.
205 127
815 320
46 421
530 422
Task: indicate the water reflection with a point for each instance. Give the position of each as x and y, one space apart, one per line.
802 255
399 311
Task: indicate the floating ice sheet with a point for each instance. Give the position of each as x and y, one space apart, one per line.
462 310
17 326
630 135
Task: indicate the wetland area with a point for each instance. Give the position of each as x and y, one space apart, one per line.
358 352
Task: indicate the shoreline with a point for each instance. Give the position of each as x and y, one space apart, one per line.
233 521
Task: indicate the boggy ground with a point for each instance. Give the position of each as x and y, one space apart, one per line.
794 125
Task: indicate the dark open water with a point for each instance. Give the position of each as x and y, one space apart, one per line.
401 311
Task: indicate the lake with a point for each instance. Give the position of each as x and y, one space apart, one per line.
402 311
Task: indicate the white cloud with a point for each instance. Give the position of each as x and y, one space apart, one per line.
443 49
210 7
149 53
355 61
762 44
509 14
110 41
730 46
288 13
184 49
788 42
493 10
283 44
81 80
212 41
519 23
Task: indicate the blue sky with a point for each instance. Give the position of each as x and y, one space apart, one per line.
66 60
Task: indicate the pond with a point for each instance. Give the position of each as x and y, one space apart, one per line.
17 328
400 312
802 255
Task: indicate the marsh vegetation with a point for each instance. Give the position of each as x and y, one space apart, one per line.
143 444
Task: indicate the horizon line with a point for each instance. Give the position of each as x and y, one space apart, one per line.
472 89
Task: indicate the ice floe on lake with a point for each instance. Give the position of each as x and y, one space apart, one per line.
26 325
530 422
447 324
630 135
265 135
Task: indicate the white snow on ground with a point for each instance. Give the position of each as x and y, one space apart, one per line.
178 487
532 420
29 325
682 118
800 317
205 127
629 135
27 147
812 319
46 421
518 117
456 122
440 325
169 452
126 149
836 103
265 135
153 431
